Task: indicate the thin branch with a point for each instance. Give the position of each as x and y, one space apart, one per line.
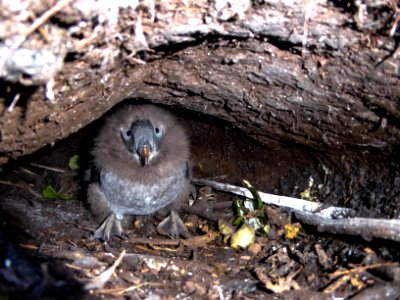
123 290
98 282
14 102
24 186
335 220
53 169
367 228
200 211
40 21
358 270
290 202
196 241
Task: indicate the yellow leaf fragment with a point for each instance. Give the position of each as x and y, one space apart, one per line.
291 230
306 194
225 228
244 237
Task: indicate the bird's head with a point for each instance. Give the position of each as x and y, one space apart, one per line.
143 139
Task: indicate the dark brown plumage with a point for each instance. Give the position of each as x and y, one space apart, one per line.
141 155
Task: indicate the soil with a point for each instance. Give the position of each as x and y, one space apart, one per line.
47 250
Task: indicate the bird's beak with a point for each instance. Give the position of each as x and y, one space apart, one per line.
144 154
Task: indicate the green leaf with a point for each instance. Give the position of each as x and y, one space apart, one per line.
255 194
73 163
266 229
238 221
50 193
238 208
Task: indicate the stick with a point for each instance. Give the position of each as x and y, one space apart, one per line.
99 281
335 220
290 202
39 22
53 169
367 228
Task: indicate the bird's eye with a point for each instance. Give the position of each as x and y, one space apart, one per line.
157 130
128 133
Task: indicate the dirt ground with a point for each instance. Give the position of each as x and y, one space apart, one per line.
47 252
46 246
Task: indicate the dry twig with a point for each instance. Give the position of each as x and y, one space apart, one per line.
99 281
290 202
53 169
39 22
196 241
24 186
328 219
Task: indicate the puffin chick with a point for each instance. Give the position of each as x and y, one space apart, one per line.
141 160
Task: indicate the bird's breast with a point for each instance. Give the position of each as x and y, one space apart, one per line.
127 196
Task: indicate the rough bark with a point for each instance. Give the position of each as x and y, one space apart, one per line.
314 73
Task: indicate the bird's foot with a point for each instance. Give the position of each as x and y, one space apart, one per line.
173 226
111 226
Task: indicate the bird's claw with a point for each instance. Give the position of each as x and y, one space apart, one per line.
111 226
173 227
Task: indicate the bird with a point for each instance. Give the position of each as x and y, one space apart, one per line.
141 162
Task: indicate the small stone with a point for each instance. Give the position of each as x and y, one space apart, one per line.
254 249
